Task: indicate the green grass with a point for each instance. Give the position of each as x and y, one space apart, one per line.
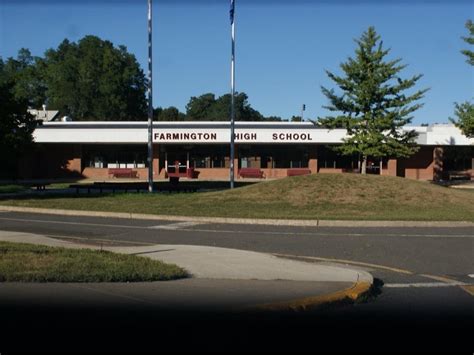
320 196
35 263
8 189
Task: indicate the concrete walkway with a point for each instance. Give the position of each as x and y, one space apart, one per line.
228 220
257 279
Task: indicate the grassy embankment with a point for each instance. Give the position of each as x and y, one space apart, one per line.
36 263
322 196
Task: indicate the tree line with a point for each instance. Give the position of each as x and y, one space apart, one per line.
208 107
94 80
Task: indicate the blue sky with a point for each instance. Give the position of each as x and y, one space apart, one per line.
282 49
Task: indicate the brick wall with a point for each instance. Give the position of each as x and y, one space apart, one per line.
421 165
391 169
51 161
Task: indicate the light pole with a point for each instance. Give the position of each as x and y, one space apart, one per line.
302 111
232 103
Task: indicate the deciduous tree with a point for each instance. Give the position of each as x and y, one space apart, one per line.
93 80
209 108
16 125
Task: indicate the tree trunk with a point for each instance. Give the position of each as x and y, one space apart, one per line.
364 165
380 166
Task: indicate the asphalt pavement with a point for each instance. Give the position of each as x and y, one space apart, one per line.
273 281
424 279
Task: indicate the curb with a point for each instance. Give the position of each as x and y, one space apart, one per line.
348 296
228 220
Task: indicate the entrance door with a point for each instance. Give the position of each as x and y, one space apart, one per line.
177 162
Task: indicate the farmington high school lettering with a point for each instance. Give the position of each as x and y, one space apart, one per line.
241 137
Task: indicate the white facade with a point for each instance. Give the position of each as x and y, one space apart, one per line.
219 132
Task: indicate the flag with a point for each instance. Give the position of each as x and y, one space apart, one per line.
231 12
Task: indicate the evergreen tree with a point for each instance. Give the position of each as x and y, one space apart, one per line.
465 110
373 106
470 40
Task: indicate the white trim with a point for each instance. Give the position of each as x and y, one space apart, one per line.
218 132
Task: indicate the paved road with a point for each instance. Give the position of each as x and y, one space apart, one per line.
425 272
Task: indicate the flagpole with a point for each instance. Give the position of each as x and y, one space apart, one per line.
232 83
150 101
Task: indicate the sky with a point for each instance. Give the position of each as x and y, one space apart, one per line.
282 47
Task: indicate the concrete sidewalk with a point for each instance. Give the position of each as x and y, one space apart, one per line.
257 279
247 221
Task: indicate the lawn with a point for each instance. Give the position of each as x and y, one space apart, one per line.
36 263
319 196
8 189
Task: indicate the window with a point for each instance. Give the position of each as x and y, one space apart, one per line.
115 156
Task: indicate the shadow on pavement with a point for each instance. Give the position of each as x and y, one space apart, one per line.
141 327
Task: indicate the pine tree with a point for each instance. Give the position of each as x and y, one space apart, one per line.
373 105
470 40
465 111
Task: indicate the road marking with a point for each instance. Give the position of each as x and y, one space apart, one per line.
439 278
343 261
469 289
175 226
471 276
75 223
331 235
426 284
314 234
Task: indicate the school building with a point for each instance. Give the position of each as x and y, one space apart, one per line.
200 150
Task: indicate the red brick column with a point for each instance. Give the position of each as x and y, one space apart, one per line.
391 168
313 160
236 161
156 159
74 164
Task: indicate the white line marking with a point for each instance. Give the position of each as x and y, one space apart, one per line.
174 226
471 276
426 284
314 234
74 223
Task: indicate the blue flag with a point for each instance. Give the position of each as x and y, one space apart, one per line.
231 12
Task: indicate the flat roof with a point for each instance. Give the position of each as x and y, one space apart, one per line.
209 132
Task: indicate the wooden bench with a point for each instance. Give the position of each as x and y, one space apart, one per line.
251 173
298 171
123 173
107 187
459 175
40 185
189 173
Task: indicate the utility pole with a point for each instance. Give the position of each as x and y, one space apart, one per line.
302 112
